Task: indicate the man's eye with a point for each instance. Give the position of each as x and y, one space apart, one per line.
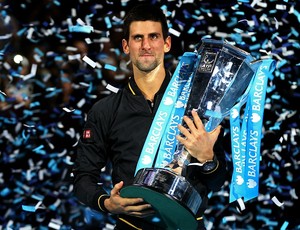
154 36
137 38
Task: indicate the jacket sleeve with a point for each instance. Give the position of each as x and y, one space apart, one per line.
90 159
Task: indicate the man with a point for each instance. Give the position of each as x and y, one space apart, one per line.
117 127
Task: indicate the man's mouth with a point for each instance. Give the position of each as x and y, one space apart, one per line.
146 55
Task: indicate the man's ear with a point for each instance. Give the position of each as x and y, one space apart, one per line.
167 45
125 46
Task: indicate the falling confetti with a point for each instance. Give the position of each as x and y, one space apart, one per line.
72 58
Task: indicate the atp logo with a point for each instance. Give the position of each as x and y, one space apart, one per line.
239 180
168 101
251 183
146 160
255 117
207 62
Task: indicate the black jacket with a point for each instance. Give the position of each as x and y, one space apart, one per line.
115 131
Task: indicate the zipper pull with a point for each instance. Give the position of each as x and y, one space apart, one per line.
152 104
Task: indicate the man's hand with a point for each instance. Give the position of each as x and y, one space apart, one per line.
197 141
129 206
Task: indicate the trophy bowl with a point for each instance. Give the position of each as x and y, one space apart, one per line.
222 78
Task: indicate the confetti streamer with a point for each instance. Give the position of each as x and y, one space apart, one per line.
112 88
277 202
81 29
89 61
110 67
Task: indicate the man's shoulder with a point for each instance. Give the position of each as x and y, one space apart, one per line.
110 100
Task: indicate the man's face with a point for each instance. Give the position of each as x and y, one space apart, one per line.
146 45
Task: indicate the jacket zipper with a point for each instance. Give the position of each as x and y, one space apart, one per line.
150 105
153 103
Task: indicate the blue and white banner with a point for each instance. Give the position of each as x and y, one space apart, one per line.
246 137
169 141
169 114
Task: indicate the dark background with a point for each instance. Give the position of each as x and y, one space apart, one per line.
41 117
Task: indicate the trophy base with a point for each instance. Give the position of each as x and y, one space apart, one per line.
169 213
171 196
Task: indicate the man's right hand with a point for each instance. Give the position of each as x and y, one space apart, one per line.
128 206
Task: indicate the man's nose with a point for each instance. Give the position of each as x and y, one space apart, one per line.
146 43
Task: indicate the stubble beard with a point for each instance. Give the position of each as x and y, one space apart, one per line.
146 67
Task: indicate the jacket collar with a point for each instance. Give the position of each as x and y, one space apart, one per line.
134 89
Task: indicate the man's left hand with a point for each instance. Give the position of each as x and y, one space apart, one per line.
197 141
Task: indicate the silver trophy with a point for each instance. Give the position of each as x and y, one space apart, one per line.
220 81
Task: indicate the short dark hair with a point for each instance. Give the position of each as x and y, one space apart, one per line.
145 12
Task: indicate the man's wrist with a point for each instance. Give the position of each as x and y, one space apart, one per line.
101 201
208 166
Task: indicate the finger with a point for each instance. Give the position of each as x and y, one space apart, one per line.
197 121
148 213
181 139
183 130
133 201
215 133
116 189
189 122
144 209
216 130
184 134
143 214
